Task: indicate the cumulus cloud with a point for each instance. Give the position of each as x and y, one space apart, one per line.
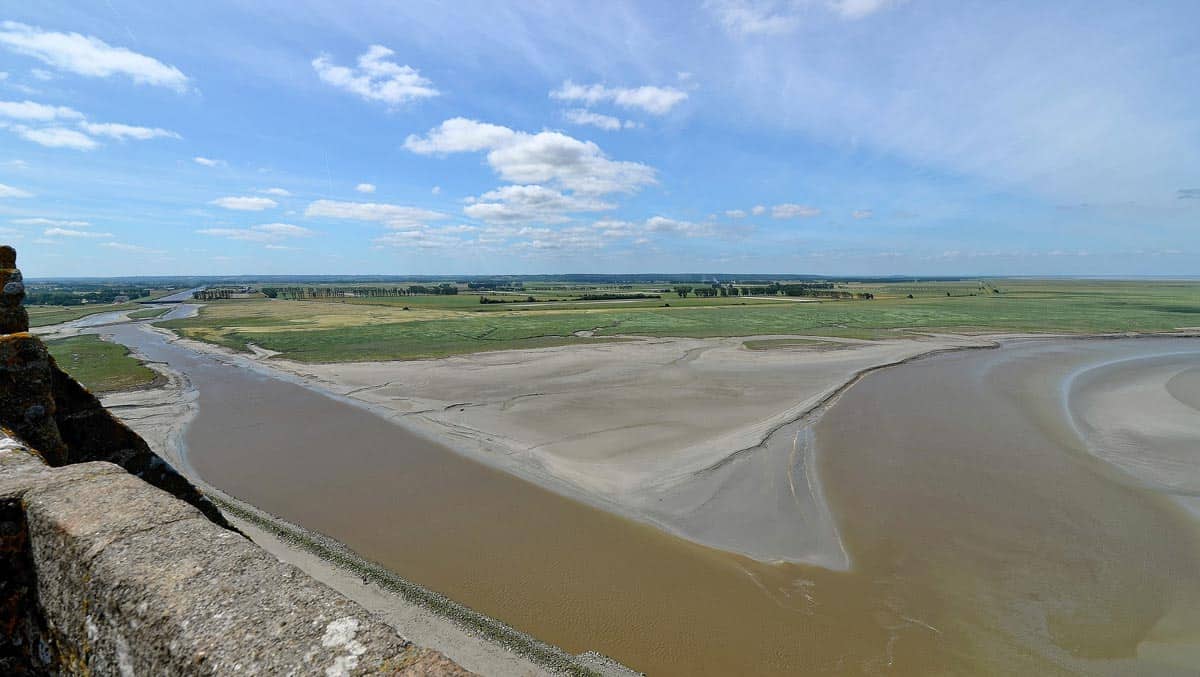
662 224
735 213
609 123
651 99
10 191
543 158
88 56
70 232
533 203
267 232
751 17
393 216
421 237
116 130
56 137
857 9
37 112
245 204
134 248
791 211
376 78
277 192
365 188
53 135
862 213
758 210
776 17
460 135
41 221
207 162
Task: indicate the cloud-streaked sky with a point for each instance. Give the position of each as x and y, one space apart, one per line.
789 136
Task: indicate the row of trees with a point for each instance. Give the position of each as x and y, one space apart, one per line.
810 289
42 296
212 294
302 293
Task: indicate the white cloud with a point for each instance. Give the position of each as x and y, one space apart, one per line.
39 221
421 237
394 216
545 157
134 248
523 204
207 162
460 135
862 213
69 232
116 130
653 100
9 191
754 17
437 190
246 204
56 137
735 213
857 9
38 112
278 192
791 211
376 78
89 56
662 224
758 210
267 232
580 116
776 17
365 188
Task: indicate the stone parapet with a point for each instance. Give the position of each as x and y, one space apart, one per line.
105 574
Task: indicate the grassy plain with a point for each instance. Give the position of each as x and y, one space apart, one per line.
357 329
40 316
99 365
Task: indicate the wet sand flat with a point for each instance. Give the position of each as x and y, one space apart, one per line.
661 430
983 534
964 480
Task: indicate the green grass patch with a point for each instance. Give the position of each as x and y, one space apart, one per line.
436 327
100 365
41 316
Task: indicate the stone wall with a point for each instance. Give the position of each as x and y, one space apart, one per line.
114 564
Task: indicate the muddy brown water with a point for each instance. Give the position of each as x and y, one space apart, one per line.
983 539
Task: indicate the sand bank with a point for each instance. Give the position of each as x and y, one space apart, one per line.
675 432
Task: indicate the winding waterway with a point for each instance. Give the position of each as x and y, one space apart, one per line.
987 532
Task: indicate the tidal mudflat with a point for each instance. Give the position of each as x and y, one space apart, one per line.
984 530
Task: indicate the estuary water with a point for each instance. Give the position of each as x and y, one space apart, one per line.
987 531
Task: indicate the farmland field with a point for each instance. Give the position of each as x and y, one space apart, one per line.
410 327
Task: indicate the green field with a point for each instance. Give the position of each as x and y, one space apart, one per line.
356 329
41 316
99 365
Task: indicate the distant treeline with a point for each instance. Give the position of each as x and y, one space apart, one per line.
497 285
615 297
79 295
824 290
301 293
582 297
212 294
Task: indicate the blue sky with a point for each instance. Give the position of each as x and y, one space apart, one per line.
803 136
